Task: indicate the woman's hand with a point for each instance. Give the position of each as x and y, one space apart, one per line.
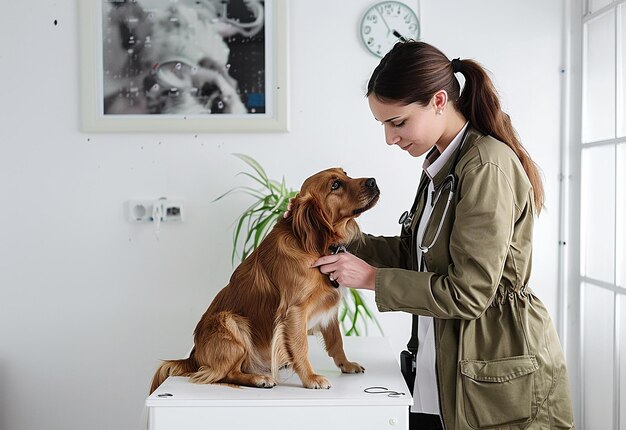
348 270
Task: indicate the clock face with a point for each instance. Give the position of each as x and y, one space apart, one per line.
386 23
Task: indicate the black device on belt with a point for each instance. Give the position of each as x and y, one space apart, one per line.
408 357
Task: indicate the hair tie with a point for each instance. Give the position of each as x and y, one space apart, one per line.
456 65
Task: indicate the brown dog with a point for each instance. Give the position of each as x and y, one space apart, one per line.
258 323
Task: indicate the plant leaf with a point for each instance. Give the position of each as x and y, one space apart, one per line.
257 167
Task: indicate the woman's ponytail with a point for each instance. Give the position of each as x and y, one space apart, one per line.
480 104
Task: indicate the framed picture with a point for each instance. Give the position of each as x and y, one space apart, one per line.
184 65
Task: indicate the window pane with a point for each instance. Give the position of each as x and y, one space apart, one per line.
620 201
597 218
598 357
599 78
595 5
621 72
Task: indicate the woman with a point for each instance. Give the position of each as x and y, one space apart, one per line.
488 354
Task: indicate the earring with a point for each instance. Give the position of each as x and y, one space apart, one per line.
439 111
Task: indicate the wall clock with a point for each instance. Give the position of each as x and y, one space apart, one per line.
386 23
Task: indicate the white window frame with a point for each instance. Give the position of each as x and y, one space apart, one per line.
570 321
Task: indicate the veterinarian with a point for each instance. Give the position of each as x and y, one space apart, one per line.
486 352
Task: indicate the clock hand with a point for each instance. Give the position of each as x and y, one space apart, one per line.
385 22
399 36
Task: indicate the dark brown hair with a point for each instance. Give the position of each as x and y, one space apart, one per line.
412 72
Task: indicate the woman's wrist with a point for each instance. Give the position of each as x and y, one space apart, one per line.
371 285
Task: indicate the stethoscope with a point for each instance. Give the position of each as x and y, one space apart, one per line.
449 182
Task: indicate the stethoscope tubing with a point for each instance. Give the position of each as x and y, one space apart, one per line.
406 218
427 248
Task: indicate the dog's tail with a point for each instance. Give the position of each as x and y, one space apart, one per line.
184 367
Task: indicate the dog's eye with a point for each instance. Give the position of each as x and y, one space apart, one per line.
335 185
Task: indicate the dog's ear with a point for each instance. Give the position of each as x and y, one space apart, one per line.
310 224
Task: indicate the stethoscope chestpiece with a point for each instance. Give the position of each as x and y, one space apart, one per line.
405 219
336 249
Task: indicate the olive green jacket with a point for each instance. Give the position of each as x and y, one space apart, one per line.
499 361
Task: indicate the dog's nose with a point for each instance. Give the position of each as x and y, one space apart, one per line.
370 183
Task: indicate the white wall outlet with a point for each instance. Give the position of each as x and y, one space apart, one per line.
146 210
139 210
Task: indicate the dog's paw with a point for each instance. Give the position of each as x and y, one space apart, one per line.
265 382
316 382
351 367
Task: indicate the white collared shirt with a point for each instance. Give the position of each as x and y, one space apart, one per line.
425 391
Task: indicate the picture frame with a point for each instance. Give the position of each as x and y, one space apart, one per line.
184 65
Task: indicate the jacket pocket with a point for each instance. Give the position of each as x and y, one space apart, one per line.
498 392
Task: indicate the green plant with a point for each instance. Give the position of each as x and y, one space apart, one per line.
271 200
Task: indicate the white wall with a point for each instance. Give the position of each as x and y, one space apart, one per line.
89 302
